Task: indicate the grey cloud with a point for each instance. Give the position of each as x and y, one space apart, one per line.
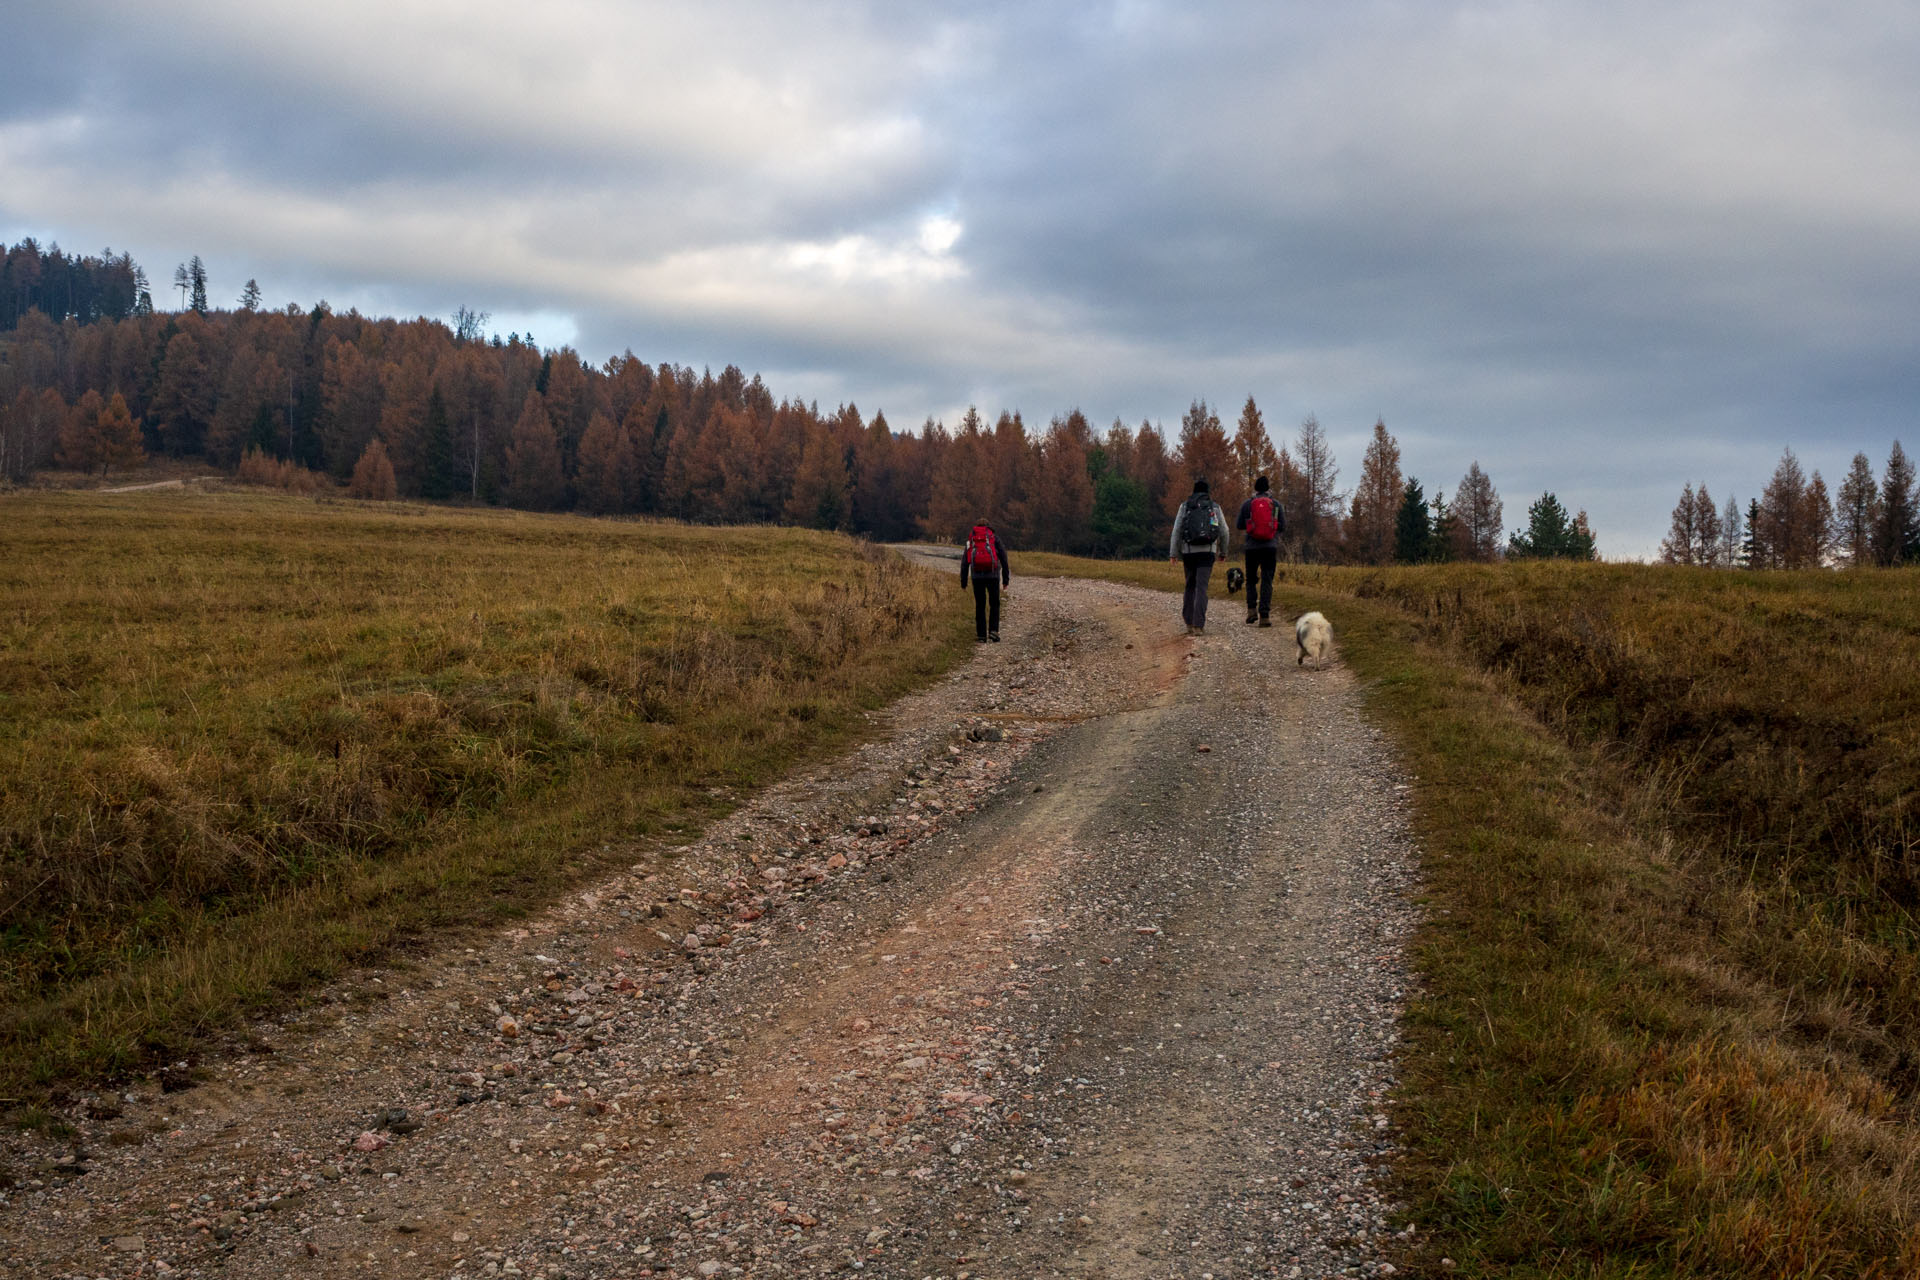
1601 249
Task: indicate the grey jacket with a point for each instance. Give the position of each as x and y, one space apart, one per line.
1178 546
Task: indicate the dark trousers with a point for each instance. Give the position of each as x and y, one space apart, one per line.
986 606
1261 562
1193 603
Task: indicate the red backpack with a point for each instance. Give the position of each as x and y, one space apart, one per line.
1263 522
980 548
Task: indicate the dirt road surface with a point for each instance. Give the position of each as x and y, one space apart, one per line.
1088 965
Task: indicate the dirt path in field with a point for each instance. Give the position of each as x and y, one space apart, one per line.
178 483
1087 966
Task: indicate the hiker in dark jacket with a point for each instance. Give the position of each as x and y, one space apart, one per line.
1262 553
1197 554
992 573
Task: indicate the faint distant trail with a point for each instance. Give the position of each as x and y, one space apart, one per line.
1089 966
169 484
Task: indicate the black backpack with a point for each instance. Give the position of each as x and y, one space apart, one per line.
1198 524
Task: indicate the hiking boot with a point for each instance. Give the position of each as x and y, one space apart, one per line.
1266 622
994 636
979 639
1251 619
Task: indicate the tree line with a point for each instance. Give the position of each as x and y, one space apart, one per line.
423 409
1796 523
109 286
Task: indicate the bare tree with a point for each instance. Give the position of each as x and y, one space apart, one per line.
1476 507
1816 523
1684 532
1706 535
1728 556
1783 515
1318 515
1856 514
470 325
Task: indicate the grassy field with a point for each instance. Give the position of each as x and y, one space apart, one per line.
1670 1023
245 739
1671 965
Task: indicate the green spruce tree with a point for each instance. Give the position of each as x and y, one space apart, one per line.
1447 532
438 477
1549 534
1897 532
197 279
1753 551
1122 524
1412 526
263 433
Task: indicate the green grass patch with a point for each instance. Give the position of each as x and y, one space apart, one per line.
245 740
1666 1021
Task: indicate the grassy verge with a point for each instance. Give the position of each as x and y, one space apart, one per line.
1667 1024
246 740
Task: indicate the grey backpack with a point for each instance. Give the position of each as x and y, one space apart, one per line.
1198 524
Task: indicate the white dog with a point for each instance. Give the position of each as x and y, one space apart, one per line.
1314 634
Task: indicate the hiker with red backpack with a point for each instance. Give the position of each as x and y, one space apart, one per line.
984 560
1199 537
1263 521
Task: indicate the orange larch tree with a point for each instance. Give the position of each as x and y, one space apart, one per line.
1063 492
1376 501
119 435
1253 455
534 478
373 475
819 498
77 446
596 483
1204 454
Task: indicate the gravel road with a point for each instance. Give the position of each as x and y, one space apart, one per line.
1088 965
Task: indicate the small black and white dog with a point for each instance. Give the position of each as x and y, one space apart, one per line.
1236 579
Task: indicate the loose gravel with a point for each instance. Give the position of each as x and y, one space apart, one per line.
1089 964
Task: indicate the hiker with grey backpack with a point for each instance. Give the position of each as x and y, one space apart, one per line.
1199 538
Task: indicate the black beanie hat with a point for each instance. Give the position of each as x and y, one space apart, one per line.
1260 485
1199 486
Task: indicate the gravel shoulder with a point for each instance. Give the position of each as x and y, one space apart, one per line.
1089 964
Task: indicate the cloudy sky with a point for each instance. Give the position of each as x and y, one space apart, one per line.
1601 248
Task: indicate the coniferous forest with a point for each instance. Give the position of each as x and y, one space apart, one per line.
93 377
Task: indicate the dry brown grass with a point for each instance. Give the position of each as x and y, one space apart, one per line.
247 739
